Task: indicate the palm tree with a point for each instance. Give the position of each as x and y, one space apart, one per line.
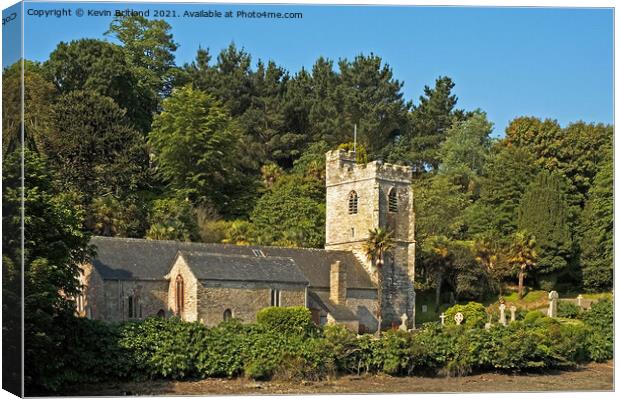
377 245
487 253
523 254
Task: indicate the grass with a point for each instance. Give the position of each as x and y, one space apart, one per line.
529 298
532 300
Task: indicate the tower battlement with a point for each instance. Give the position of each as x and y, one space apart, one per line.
341 166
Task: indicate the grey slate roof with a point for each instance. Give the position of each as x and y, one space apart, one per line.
131 258
209 266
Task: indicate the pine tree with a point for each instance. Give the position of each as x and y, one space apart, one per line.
545 213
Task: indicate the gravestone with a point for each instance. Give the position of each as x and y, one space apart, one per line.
443 319
502 314
553 304
403 324
513 313
579 300
424 308
488 324
458 318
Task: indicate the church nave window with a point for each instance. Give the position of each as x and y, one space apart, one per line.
275 297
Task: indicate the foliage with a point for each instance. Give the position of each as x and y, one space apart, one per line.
292 212
568 310
523 255
109 216
507 173
474 314
38 97
109 158
465 151
597 231
100 67
54 246
427 126
544 212
194 143
148 47
172 219
575 151
294 320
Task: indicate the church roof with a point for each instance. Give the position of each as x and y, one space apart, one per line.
139 259
210 266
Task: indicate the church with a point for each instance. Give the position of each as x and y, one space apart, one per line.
131 279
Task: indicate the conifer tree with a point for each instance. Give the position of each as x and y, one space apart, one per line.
597 231
545 213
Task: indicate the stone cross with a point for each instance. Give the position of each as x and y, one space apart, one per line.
502 314
458 318
553 304
513 313
443 319
579 299
403 324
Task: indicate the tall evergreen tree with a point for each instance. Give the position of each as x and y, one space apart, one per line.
429 122
507 173
545 213
373 100
465 151
597 231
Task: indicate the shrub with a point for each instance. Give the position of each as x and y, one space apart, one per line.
532 316
600 319
351 353
293 320
474 314
568 310
165 348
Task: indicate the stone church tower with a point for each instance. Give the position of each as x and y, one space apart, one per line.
360 198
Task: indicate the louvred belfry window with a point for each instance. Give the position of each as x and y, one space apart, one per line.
393 200
352 203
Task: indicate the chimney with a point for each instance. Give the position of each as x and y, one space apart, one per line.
338 283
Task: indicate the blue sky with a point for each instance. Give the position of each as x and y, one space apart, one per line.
546 62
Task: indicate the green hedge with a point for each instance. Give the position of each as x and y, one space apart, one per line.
294 320
158 348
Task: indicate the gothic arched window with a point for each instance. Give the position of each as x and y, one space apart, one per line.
393 200
352 203
179 294
227 314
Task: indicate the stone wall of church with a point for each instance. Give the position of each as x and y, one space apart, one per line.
93 293
364 304
190 290
243 299
109 300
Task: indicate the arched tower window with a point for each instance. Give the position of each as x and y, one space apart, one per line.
393 200
227 314
179 294
352 203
